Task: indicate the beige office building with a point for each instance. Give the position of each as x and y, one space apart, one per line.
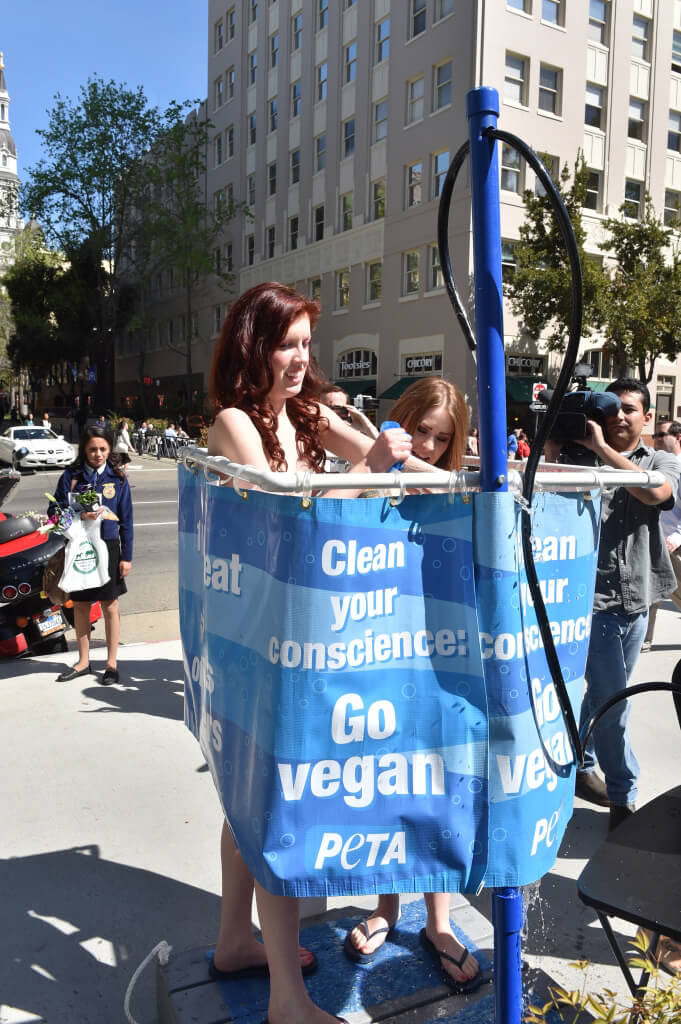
336 121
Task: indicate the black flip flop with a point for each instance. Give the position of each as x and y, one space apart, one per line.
351 951
256 971
459 988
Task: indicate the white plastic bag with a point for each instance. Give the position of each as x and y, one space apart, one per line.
86 559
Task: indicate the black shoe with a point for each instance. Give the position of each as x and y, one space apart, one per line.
590 787
72 673
110 676
619 813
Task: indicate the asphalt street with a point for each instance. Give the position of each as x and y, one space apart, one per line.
152 584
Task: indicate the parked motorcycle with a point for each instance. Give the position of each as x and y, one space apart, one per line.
30 621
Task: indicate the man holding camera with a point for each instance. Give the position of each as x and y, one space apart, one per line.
634 571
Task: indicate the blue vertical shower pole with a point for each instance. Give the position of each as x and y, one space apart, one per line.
482 110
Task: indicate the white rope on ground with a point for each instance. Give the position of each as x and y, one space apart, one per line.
163 950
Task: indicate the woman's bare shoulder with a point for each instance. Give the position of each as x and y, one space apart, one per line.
234 434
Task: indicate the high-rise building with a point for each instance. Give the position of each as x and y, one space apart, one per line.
336 120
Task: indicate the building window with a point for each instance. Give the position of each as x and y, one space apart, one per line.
229 257
674 131
229 139
230 194
231 79
252 11
250 189
322 80
270 241
252 67
640 36
296 99
320 153
297 30
272 178
323 14
442 9
676 52
417 17
442 85
231 24
598 21
632 199
342 289
549 89
219 92
293 233
415 95
435 279
595 102
350 62
218 36
382 40
316 288
637 117
414 184
511 170
295 166
217 318
508 260
439 168
274 50
378 199
318 226
380 120
552 165
552 11
346 211
515 79
251 129
250 250
374 281
349 137
672 202
217 143
410 273
518 5
273 108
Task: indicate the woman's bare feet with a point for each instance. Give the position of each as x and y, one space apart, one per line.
445 941
368 941
302 1012
250 953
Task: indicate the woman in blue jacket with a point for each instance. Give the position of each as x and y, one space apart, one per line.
97 467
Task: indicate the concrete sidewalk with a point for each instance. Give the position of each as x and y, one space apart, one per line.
110 831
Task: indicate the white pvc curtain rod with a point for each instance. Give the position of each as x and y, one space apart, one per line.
568 478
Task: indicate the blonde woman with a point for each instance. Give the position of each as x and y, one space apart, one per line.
434 412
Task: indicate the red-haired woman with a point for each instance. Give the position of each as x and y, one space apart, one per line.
267 414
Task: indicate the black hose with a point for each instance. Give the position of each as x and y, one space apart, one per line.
564 378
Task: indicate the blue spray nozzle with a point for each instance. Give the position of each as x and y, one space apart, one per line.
389 425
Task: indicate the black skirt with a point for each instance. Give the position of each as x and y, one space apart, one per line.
114 587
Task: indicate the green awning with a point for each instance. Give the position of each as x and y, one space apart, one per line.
399 387
519 389
598 385
357 386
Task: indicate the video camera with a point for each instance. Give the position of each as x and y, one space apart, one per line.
365 402
577 407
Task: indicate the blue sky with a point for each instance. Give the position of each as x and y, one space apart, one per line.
52 47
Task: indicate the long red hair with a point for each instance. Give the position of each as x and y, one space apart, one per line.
433 393
241 376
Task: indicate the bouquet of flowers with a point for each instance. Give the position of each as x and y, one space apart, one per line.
60 520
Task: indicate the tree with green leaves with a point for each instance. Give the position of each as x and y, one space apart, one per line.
179 228
81 191
632 297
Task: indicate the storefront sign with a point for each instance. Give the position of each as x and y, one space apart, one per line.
427 363
525 364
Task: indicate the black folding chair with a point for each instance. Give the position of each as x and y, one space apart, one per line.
635 875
